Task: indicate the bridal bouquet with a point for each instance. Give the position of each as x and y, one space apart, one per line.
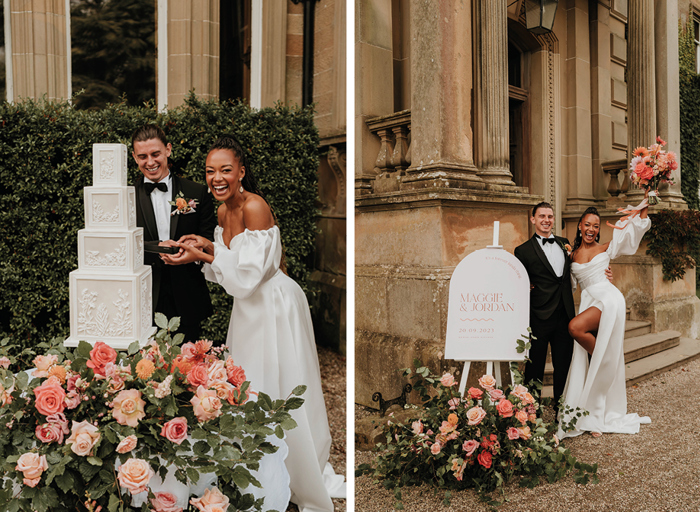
97 430
481 439
652 166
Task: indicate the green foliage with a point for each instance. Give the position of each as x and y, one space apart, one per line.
674 237
689 90
481 440
46 160
113 51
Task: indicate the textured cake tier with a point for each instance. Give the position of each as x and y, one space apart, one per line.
114 308
110 208
114 251
109 164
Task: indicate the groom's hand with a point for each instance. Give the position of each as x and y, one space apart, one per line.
609 274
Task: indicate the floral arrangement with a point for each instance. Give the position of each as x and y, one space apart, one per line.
480 440
93 429
183 205
652 166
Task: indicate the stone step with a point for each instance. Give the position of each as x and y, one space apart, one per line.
636 328
636 347
687 350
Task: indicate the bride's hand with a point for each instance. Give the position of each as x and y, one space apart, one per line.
188 254
609 274
198 242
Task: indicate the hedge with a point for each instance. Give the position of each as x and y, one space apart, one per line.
46 160
689 90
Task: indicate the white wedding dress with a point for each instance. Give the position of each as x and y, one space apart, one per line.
271 336
599 386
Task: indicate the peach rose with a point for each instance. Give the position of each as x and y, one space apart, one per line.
100 355
198 375
175 430
211 497
217 371
417 427
532 417
521 416
236 374
452 419
470 447
134 475
206 404
84 436
448 380
525 433
165 502
487 382
529 399
435 448
485 458
43 363
475 415
5 362
519 391
128 407
188 351
180 203
127 444
32 465
222 388
505 408
50 397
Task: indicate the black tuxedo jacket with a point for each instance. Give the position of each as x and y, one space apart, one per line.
549 290
185 282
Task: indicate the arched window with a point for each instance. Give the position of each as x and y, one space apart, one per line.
518 116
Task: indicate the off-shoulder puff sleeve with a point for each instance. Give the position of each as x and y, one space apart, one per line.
252 258
626 241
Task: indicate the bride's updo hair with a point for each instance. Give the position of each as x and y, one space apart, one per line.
591 210
230 142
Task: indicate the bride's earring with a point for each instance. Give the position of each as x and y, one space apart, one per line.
241 189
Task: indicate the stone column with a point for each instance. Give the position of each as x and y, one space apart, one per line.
274 52
441 86
39 50
192 50
491 91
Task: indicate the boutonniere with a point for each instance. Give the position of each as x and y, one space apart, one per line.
565 247
183 205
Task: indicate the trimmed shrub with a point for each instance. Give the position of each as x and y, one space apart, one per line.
46 160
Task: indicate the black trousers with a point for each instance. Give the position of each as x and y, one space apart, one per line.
166 305
553 332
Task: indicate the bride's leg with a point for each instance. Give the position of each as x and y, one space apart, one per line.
582 327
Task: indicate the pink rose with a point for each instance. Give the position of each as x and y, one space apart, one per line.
475 393
521 416
127 444
475 415
100 355
487 382
175 430
417 427
470 447
43 363
505 408
32 465
211 497
453 403
189 350
206 404
448 380
134 475
84 436
128 407
435 448
72 400
496 394
50 397
49 433
485 458
165 502
198 375
4 362
513 433
236 374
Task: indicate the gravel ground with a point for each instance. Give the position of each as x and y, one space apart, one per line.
333 380
657 470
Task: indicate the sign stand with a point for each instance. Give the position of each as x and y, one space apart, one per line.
489 309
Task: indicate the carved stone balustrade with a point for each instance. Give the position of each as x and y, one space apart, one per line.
394 156
613 168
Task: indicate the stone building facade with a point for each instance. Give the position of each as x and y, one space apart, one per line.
463 117
264 51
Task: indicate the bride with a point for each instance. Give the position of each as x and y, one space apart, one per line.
597 383
270 333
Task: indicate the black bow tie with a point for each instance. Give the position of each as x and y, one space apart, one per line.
163 187
547 240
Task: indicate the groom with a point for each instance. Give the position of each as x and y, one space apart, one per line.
551 299
177 290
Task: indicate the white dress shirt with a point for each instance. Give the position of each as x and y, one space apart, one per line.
554 253
161 207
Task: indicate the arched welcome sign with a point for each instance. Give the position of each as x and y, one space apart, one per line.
489 307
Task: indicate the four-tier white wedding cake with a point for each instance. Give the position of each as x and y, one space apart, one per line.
111 292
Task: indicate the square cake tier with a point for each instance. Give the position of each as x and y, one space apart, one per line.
110 208
113 251
116 308
109 165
